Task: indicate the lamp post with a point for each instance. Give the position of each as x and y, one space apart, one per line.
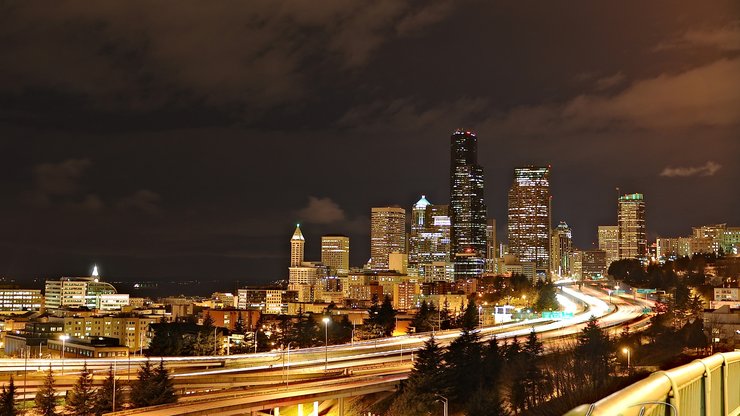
444 403
627 351
326 342
480 310
25 373
115 361
64 338
287 369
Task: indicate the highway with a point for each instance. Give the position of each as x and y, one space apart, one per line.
256 374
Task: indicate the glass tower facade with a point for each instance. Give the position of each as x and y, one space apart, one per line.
429 242
529 217
467 208
387 235
632 235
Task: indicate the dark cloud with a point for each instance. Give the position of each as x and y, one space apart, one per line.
186 139
143 200
321 211
60 178
140 56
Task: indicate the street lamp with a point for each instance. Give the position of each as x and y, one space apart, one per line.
444 403
627 351
287 369
326 342
115 361
480 310
64 338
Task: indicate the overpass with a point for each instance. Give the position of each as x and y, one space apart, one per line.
308 395
709 386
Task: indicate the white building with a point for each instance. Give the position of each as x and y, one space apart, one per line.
79 292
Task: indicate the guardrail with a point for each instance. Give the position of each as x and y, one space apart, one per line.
709 386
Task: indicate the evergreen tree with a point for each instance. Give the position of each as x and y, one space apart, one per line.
142 393
7 400
164 388
306 332
46 400
420 390
546 298
104 395
387 316
420 320
596 352
534 381
153 387
427 372
463 357
80 401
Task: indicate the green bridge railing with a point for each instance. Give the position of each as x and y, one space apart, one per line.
709 386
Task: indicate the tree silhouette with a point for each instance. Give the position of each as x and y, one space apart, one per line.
7 399
104 395
46 399
80 401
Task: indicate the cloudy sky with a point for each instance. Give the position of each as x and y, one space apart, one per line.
185 139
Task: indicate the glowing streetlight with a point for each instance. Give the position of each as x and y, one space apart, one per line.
64 338
627 351
287 369
326 342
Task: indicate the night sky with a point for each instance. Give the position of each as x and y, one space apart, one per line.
185 139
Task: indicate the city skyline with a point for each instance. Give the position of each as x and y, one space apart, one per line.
135 144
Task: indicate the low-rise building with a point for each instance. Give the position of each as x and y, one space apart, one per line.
90 347
723 327
20 300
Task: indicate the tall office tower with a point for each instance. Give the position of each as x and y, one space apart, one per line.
467 208
302 275
335 254
297 247
491 247
529 217
609 242
387 235
561 244
429 242
632 235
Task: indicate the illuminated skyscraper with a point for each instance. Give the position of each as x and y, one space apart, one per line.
429 242
609 242
335 254
529 217
297 247
302 275
561 244
467 208
387 235
632 234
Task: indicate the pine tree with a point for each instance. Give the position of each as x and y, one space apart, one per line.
463 357
80 401
427 372
164 388
104 395
46 400
387 316
7 399
596 351
142 389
